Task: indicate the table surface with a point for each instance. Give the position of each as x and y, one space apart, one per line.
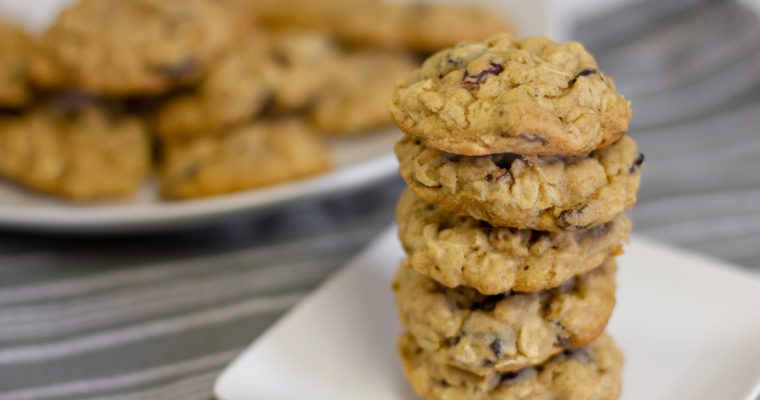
159 316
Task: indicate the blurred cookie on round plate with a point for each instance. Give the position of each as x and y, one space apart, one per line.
136 47
361 85
283 70
87 153
261 154
16 47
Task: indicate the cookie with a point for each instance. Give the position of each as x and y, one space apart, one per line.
85 154
262 154
298 14
16 47
413 26
508 331
287 69
376 24
437 26
356 99
462 251
591 373
239 88
307 59
352 22
530 97
418 27
135 47
526 192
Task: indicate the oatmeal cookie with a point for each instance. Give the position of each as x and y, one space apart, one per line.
462 251
307 60
365 23
239 88
16 48
135 47
416 26
298 14
530 97
86 154
377 24
437 26
262 154
590 373
504 332
357 97
287 70
526 192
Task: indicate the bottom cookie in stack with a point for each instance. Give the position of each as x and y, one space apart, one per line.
588 373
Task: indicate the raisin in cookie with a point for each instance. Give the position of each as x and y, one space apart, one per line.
590 373
84 154
16 48
133 47
287 69
508 331
357 97
530 97
462 251
261 154
526 192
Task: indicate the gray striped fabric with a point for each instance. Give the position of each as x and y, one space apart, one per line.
158 316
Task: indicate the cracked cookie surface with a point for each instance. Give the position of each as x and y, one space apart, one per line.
95 45
590 373
526 192
261 154
504 332
462 251
530 96
83 154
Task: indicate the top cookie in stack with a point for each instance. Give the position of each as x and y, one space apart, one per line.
525 134
520 171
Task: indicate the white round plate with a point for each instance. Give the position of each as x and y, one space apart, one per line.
358 161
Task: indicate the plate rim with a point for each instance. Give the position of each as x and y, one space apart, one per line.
152 217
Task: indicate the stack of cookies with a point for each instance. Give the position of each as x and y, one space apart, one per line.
519 172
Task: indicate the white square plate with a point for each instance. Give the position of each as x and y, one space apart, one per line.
689 327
